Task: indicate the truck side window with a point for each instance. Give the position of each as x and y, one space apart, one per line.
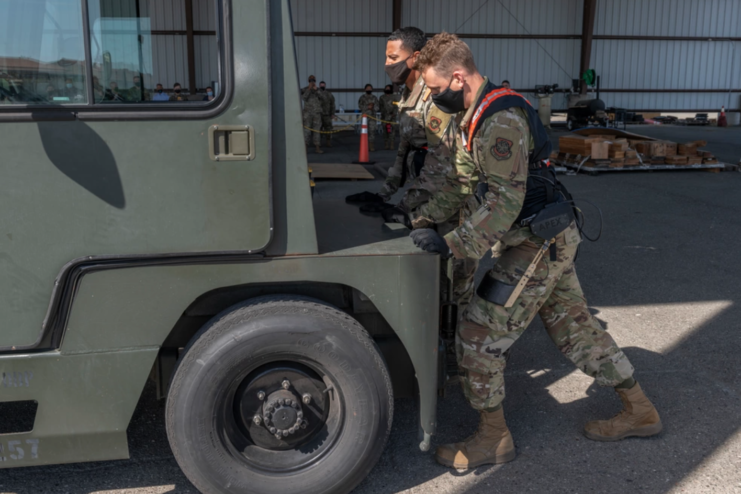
42 52
144 53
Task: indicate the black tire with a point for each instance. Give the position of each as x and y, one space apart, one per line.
257 334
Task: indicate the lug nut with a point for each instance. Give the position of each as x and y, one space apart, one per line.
286 384
304 424
261 395
273 430
285 433
289 402
257 420
306 398
300 415
278 436
282 401
292 430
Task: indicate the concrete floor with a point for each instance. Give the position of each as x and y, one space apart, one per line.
665 280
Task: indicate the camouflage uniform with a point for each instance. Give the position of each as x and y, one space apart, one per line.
328 110
422 125
312 114
412 136
369 105
389 112
486 331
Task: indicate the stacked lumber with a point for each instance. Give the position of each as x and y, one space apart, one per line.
580 145
618 152
631 158
676 160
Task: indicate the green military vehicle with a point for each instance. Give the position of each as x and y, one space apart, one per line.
170 236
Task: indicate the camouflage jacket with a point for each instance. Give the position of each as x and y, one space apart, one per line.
412 135
389 110
368 104
448 179
312 101
500 152
327 99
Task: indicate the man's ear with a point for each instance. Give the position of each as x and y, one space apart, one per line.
413 58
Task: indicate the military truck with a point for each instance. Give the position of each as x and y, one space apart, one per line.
152 234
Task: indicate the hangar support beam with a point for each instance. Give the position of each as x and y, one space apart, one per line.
587 33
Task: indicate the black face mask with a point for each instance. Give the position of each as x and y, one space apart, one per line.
159 91
178 91
450 101
368 91
322 88
398 72
388 91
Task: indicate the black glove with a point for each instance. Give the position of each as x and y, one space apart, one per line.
429 240
375 207
364 197
397 215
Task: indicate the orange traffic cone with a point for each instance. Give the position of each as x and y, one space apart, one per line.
364 157
722 122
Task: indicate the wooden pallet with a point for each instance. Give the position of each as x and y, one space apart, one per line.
579 164
339 171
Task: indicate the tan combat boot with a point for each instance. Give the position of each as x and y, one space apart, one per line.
492 444
319 150
639 418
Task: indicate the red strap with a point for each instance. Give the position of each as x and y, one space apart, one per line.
485 103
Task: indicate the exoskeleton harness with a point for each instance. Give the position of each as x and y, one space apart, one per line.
548 206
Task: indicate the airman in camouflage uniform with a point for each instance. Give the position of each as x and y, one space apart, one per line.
312 113
328 111
369 105
500 152
389 112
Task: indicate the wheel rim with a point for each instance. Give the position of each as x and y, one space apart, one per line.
300 408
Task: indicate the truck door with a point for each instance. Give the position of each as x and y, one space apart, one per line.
129 128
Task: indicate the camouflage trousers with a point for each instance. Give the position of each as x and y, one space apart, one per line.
486 330
372 129
327 127
312 121
462 271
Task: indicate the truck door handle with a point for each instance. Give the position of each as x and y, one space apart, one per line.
231 143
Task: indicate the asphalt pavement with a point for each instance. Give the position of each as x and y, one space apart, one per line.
664 279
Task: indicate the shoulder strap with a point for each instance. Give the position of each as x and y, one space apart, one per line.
496 99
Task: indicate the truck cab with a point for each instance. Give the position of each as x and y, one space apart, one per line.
151 233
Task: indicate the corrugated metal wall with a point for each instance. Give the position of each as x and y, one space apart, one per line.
668 64
524 62
622 64
492 17
343 62
347 62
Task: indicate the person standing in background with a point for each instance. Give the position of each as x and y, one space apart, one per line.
312 113
137 91
178 93
369 105
160 94
505 84
389 112
328 111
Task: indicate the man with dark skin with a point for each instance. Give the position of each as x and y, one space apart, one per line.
424 157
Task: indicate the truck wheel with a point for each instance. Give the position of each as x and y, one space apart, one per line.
280 394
